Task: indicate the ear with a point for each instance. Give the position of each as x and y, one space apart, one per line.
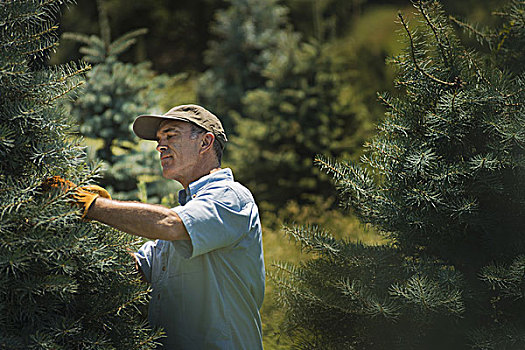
207 142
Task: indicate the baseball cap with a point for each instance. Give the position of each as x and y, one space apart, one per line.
145 126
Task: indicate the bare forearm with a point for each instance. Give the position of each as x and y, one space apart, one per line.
140 219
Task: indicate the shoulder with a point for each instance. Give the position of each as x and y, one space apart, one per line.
228 192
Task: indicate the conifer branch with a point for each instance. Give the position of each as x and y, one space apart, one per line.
40 49
405 82
478 69
416 65
472 29
65 77
434 30
68 90
35 38
46 223
375 146
313 298
81 38
488 82
16 205
324 164
454 101
44 4
138 297
389 104
313 239
152 339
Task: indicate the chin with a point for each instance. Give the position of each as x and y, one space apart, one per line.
169 175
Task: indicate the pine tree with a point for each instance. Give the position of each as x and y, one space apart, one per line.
303 109
65 284
114 95
284 99
246 33
444 180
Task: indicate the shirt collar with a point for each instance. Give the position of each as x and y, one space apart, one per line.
186 194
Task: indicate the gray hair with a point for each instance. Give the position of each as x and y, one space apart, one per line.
197 130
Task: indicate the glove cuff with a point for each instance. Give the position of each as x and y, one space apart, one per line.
87 203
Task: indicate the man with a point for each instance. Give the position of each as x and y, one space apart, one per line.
206 264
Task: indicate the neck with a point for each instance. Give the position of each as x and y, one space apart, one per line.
198 175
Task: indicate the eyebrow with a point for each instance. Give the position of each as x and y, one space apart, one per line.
166 130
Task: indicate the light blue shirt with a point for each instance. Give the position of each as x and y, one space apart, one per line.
207 292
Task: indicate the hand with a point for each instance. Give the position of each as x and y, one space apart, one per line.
83 196
137 266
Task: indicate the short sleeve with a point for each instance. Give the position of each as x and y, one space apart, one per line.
145 258
215 219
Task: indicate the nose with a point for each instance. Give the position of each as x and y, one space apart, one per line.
161 148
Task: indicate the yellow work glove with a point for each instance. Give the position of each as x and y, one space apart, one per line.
83 196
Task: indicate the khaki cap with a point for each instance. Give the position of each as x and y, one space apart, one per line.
145 126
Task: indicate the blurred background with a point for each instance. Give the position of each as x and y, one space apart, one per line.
290 80
179 31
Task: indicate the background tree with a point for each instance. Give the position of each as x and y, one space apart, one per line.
115 94
178 31
444 181
246 33
285 99
305 108
179 48
65 284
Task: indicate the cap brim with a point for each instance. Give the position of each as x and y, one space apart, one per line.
146 126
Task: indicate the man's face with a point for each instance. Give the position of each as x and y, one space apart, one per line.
179 153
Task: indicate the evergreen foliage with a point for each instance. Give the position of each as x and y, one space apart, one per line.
247 32
115 94
64 284
178 31
285 101
325 19
305 108
444 180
